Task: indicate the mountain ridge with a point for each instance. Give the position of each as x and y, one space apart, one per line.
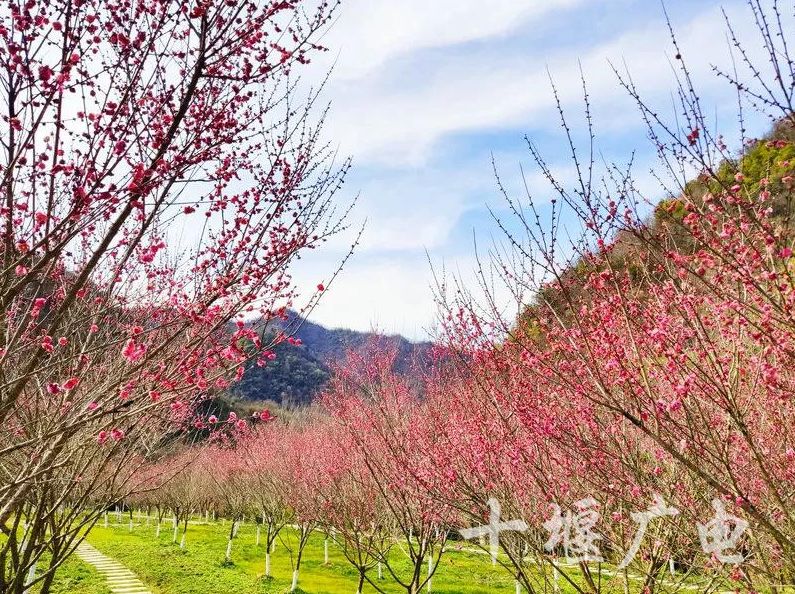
300 371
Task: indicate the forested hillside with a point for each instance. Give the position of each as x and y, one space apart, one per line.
302 368
766 165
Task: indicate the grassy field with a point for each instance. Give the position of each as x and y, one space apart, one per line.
76 576
200 567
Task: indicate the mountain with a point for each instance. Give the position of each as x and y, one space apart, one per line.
301 371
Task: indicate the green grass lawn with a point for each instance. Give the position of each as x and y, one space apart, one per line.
76 576
200 568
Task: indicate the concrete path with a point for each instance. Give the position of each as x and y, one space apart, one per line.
120 579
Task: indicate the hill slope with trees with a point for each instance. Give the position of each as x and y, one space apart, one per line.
302 368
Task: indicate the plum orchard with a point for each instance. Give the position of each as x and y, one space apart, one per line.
655 364
122 121
311 476
657 354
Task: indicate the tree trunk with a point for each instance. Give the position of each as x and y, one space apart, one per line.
301 546
46 583
184 533
232 531
31 575
361 582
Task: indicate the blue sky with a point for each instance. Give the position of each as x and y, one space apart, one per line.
423 92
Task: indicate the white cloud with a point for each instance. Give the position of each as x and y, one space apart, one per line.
385 294
398 114
398 122
369 33
417 209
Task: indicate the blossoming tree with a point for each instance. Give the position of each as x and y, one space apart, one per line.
660 339
158 176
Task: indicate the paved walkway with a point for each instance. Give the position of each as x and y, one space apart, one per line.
120 579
